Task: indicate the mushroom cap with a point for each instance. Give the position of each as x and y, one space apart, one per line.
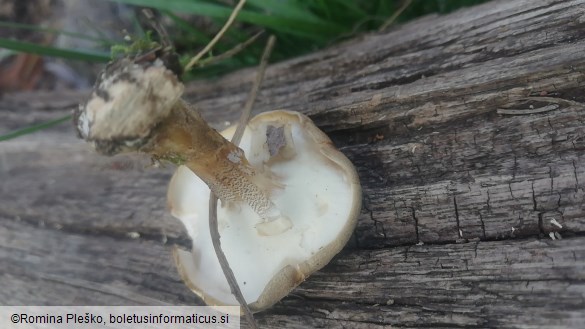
320 193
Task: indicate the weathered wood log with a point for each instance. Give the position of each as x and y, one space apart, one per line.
468 134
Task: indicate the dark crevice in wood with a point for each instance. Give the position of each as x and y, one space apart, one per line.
395 82
457 215
541 235
415 224
114 233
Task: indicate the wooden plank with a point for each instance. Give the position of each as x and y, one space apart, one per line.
500 284
510 283
49 266
467 133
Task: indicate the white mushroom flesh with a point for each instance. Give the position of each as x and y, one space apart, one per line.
318 194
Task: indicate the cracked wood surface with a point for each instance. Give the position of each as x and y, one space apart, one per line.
466 130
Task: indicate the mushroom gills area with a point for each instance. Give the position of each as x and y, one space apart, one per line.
316 195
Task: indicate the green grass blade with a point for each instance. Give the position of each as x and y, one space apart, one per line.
32 48
289 9
181 23
55 31
35 128
304 27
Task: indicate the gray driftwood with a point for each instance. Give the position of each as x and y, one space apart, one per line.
468 134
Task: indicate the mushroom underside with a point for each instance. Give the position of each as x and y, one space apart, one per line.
310 182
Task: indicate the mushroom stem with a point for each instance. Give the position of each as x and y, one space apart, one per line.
184 138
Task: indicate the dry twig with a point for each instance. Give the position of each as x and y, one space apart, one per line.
214 231
229 53
218 36
392 18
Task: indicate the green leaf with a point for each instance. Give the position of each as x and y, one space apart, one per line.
181 23
35 128
289 9
55 31
32 48
302 26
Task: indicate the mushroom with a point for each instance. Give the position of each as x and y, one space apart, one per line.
136 106
287 207
314 186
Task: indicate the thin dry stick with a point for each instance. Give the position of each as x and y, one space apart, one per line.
392 18
245 117
213 227
230 52
227 271
218 36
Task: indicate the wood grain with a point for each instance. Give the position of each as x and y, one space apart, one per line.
467 131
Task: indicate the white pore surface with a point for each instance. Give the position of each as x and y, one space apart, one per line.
317 198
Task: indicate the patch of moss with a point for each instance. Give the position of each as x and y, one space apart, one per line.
138 46
175 159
